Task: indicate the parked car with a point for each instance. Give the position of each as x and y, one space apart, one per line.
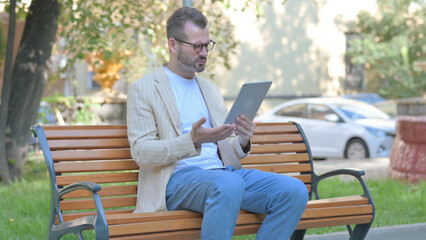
338 127
367 97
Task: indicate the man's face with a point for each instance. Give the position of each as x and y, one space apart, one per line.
187 57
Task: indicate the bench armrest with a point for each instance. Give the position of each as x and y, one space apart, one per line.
357 173
101 226
345 171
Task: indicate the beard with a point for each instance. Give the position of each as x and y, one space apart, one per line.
192 65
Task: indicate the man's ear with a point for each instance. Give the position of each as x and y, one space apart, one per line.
172 45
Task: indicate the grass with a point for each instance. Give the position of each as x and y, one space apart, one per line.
24 205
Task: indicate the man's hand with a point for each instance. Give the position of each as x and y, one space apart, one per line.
244 128
201 134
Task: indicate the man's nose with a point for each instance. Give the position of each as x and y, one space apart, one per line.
203 52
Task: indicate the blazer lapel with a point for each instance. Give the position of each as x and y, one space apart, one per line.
163 87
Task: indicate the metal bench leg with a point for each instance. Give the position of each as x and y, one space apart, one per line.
80 235
298 234
360 231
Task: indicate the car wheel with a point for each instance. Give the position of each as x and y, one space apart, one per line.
356 149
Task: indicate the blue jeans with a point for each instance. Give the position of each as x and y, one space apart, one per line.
219 195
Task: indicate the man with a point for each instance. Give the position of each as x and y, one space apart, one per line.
188 159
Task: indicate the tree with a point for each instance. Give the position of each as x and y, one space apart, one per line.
27 82
391 44
4 107
98 26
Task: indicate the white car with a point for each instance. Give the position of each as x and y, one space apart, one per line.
337 127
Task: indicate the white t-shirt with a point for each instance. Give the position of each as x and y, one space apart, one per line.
192 108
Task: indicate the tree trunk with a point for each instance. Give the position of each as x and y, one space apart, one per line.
29 78
4 166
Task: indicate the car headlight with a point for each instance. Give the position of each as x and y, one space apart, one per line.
376 132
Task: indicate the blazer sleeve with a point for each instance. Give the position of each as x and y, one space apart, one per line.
152 137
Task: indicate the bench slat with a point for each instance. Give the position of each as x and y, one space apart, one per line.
337 211
249 229
82 127
275 129
69 216
338 201
278 148
89 144
97 154
98 178
336 221
282 158
282 168
268 139
85 133
105 191
107 202
98 166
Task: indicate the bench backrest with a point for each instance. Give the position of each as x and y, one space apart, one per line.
101 154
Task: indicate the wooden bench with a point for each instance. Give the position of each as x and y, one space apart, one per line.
94 185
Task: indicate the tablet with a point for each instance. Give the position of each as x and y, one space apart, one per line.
248 100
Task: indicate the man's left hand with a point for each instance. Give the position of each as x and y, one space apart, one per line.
244 128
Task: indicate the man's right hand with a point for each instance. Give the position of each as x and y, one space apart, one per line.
200 134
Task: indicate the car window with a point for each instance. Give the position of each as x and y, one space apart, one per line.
361 111
298 110
319 111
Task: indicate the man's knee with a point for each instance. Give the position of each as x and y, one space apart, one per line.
300 194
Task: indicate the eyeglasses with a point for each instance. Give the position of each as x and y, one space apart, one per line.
199 46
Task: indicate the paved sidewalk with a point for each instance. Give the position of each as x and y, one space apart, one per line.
406 232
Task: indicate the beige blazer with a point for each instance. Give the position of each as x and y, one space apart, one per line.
156 139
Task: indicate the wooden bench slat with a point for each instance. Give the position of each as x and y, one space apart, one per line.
187 234
105 191
107 202
178 224
278 148
276 158
338 201
336 221
146 227
282 168
304 178
98 166
69 216
82 127
275 129
337 211
98 178
270 139
96 154
85 133
89 144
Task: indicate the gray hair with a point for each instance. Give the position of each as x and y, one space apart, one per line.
176 22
